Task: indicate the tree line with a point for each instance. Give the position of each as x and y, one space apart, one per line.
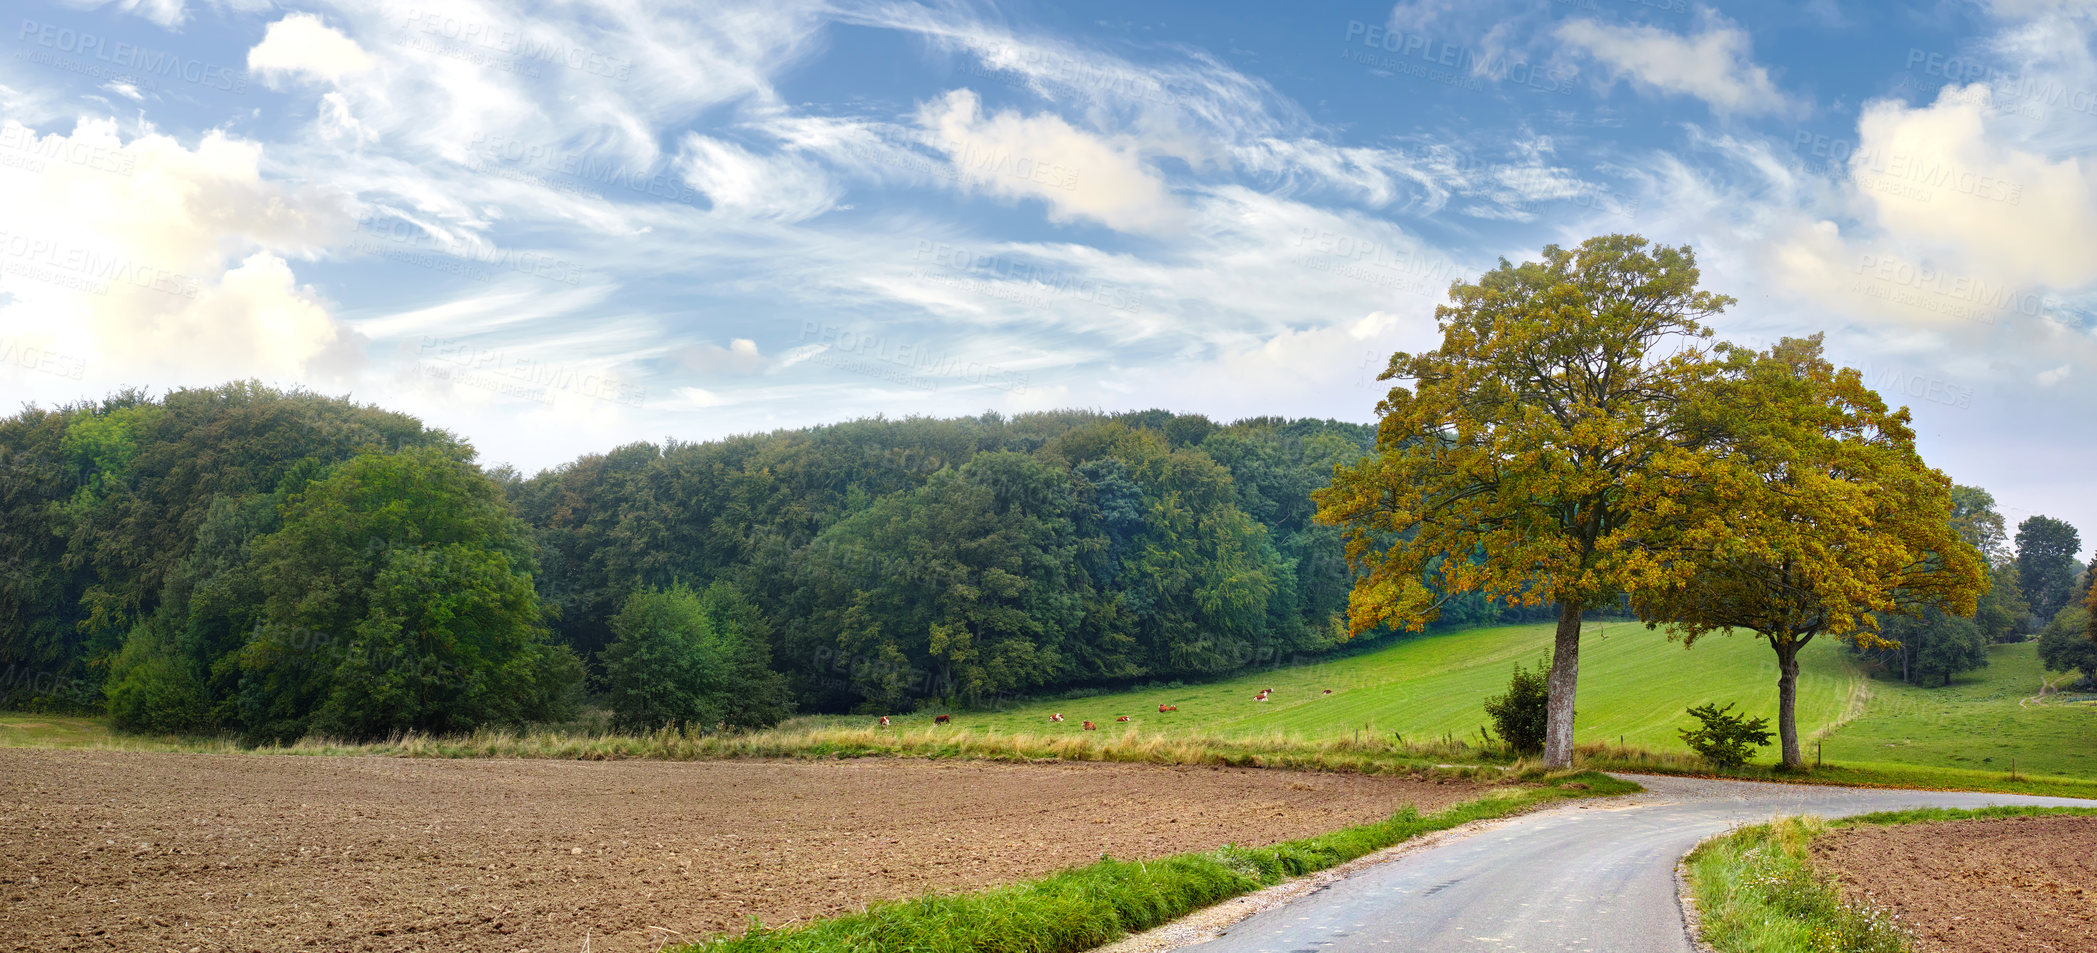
276 564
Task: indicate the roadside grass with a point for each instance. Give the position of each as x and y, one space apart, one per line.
1756 891
1084 907
1976 722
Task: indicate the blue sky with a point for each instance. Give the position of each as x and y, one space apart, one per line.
554 228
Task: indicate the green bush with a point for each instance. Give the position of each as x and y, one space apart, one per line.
1726 739
153 688
1520 714
680 658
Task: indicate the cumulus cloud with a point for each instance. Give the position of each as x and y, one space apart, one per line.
1938 175
1079 175
1715 66
163 260
740 358
301 43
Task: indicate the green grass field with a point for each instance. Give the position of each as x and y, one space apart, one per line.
1976 722
1634 684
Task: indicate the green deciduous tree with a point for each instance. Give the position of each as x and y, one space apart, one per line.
1819 513
1525 440
1929 644
2048 552
692 660
398 596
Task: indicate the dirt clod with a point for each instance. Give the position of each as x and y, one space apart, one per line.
130 850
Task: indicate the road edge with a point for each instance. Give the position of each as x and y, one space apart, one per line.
1213 921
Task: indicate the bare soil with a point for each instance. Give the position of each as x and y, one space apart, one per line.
2008 885
193 852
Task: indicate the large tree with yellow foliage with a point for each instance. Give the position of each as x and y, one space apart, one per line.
1525 450
1815 513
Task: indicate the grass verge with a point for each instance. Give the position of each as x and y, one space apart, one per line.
1359 753
1902 776
1084 907
1757 893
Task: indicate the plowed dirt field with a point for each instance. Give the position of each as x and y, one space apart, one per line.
191 852
2009 885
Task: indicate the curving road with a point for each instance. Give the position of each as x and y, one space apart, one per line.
1593 877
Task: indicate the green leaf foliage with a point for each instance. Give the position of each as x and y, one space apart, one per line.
1725 738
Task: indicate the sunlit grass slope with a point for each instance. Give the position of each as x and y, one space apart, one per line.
1634 683
1976 722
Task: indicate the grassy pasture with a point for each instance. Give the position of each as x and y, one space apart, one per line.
1634 686
1976 722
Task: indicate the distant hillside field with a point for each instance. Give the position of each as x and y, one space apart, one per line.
1980 721
1634 683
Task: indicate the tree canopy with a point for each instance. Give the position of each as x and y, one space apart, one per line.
1528 440
1819 514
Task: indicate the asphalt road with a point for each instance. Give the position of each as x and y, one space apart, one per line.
1587 877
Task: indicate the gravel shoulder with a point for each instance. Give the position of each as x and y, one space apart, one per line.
137 850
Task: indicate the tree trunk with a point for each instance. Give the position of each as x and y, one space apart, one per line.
1565 677
1787 700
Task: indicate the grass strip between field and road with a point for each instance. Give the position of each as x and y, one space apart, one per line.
1085 907
1358 752
1756 892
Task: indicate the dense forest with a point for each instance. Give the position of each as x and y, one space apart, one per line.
282 563
240 558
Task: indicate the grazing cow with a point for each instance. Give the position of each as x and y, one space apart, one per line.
1089 726
1056 717
1172 708
943 719
884 721
1326 692
1122 718
1260 697
1161 707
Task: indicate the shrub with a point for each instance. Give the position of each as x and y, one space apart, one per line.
1520 714
1726 739
692 660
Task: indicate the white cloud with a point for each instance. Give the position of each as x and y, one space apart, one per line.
780 187
1715 66
163 261
1079 175
301 43
2054 376
1939 175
